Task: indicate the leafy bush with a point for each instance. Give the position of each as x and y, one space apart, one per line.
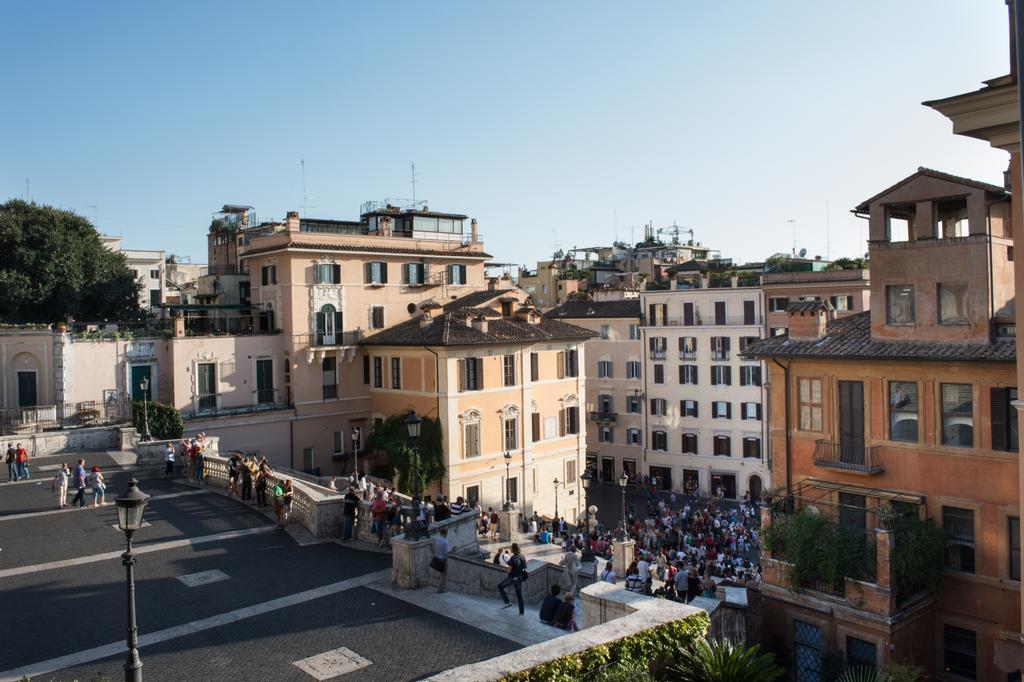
725 662
165 422
917 556
820 550
391 438
651 650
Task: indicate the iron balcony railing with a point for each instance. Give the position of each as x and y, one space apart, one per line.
848 456
322 340
608 417
658 355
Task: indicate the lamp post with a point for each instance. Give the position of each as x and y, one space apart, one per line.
557 483
130 507
507 505
587 477
623 482
413 423
144 385
355 449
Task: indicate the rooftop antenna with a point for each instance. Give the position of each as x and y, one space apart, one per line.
305 197
412 170
793 223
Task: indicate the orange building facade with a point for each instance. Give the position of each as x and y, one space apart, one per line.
907 409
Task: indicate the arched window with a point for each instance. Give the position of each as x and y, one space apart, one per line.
328 326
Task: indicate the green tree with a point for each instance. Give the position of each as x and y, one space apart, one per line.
724 662
391 438
55 265
165 422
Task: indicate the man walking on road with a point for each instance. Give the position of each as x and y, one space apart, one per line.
21 457
12 467
516 575
80 475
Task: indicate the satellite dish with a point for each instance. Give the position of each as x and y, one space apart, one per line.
803 252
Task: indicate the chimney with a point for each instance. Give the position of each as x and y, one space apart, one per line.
291 221
384 226
528 315
808 320
492 283
425 319
473 234
179 326
480 323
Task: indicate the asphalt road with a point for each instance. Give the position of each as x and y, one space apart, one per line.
64 594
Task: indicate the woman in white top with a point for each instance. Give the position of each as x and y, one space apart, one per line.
608 574
60 484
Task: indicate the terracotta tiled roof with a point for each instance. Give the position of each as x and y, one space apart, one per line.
595 309
476 299
808 306
358 248
988 187
849 338
449 329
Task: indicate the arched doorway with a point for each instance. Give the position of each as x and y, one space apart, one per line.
754 487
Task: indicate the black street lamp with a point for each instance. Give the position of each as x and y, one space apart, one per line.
144 385
356 433
130 507
413 423
507 505
623 482
587 477
557 483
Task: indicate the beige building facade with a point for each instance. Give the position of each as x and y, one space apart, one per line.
506 385
705 402
614 370
847 291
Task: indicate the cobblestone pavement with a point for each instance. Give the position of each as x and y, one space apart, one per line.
275 602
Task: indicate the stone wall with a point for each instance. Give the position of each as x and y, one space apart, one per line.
73 440
628 613
152 452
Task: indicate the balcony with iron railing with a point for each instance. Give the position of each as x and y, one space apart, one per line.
324 340
604 417
658 354
853 457
208 405
881 565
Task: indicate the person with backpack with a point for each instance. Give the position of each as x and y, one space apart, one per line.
516 575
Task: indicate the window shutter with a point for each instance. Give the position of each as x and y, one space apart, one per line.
561 422
462 374
999 419
366 369
728 410
560 361
650 344
450 274
320 322
696 408
535 424
336 274
479 373
715 373
744 376
337 322
384 272
727 371
726 343
759 417
693 374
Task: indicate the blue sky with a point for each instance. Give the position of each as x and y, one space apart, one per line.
546 122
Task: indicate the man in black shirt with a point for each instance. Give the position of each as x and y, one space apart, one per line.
550 606
441 511
351 502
